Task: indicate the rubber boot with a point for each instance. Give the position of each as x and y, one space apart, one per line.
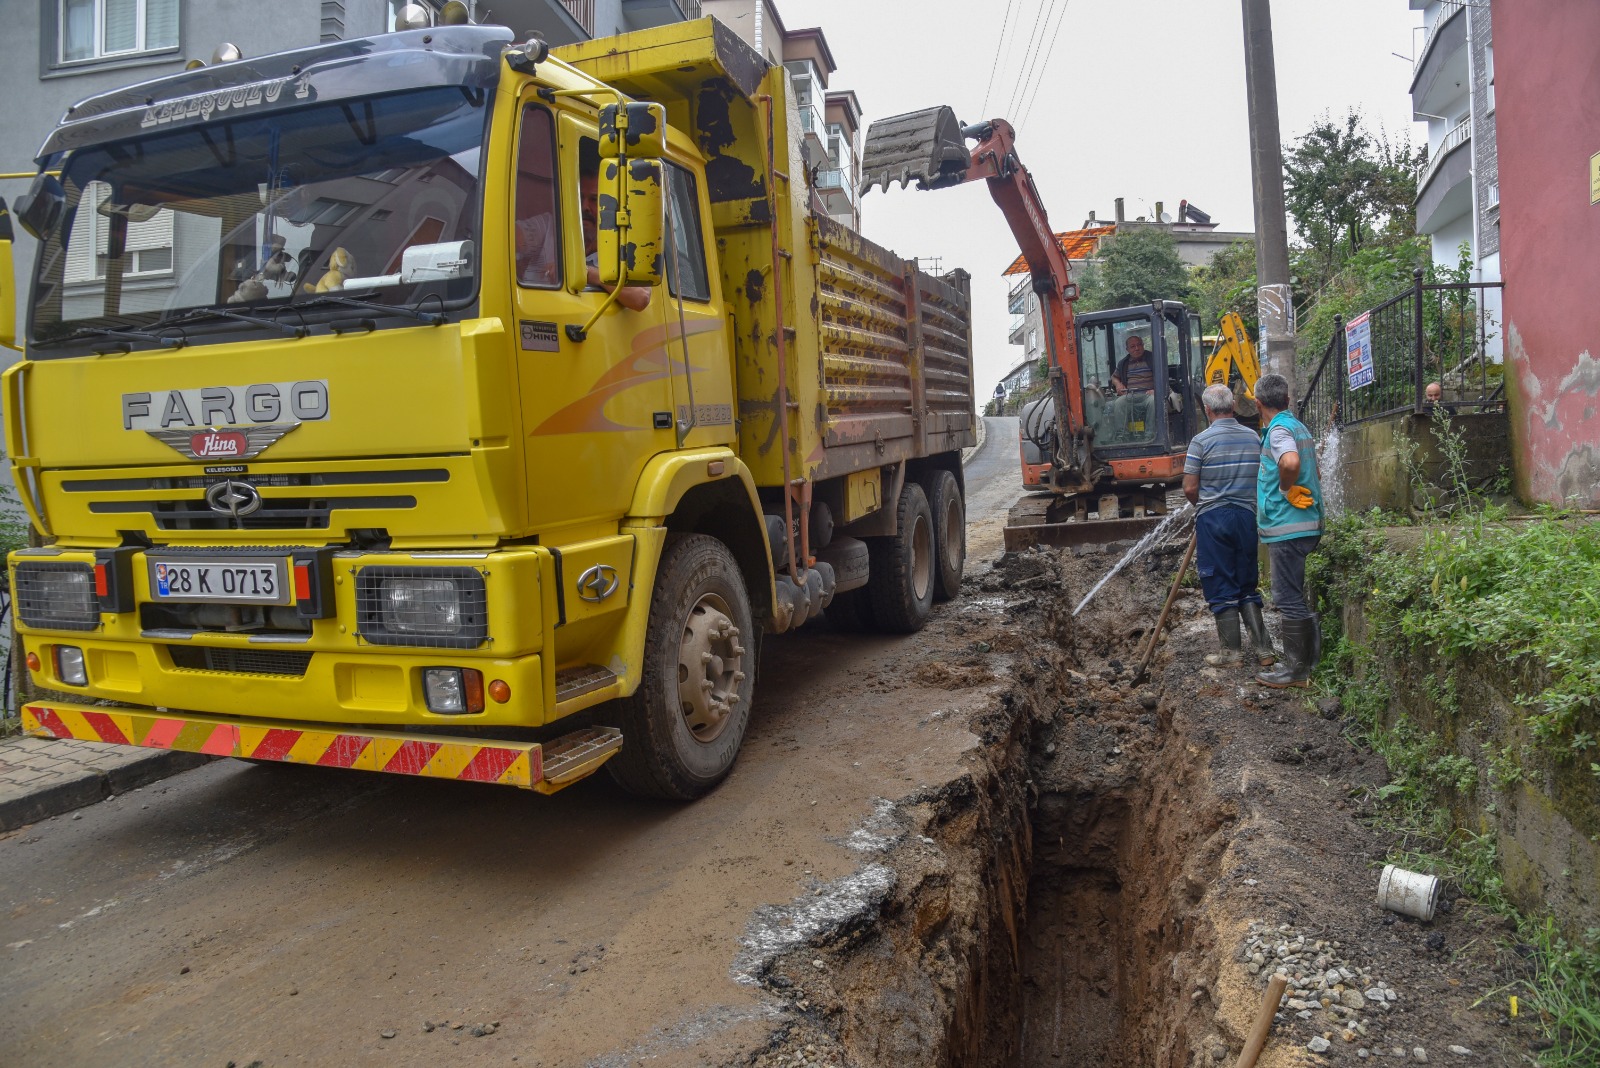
1293 669
1259 638
1228 637
1315 658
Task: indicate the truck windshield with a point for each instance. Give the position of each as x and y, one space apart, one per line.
377 198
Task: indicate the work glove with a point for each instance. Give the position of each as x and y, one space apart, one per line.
1299 496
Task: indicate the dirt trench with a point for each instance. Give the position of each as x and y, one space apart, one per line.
1043 905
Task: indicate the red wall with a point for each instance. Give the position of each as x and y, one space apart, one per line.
1547 124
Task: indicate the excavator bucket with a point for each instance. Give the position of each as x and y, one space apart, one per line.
926 147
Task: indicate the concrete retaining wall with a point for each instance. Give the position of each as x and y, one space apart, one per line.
1372 468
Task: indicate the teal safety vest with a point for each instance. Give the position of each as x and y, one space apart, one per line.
1276 518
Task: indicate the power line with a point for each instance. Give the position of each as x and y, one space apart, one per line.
1039 83
984 111
1033 39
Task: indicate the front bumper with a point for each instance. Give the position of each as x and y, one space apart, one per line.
545 767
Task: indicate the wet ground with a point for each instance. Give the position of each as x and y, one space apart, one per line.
985 844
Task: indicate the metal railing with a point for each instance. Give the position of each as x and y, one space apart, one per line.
1444 333
583 12
835 180
1458 136
1448 9
1017 299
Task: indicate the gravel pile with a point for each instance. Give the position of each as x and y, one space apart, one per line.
1341 1002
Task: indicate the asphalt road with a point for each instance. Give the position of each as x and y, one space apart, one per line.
303 916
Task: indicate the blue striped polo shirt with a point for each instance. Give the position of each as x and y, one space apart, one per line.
1226 455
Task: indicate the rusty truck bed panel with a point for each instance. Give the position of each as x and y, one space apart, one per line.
865 359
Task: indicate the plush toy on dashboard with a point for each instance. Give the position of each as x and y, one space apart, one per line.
340 266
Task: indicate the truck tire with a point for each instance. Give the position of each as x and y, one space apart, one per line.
949 533
902 578
682 728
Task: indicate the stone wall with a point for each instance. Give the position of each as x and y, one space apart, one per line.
1546 823
1372 472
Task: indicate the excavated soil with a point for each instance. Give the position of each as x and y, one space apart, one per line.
1091 889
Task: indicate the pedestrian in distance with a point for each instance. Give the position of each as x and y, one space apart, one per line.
1289 521
1219 478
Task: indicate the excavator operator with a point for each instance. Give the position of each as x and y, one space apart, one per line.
1134 374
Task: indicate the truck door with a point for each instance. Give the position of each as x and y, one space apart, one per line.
692 318
596 410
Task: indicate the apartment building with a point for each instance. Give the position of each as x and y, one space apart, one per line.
1452 90
830 121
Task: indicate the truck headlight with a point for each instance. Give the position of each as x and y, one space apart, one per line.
70 667
54 595
436 607
452 691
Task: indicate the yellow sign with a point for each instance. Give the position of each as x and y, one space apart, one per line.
1594 178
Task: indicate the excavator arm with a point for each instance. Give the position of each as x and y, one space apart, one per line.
929 147
1236 353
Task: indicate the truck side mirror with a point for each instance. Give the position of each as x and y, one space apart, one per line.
40 207
8 282
645 132
631 223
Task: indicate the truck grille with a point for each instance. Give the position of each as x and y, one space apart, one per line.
275 513
186 507
240 661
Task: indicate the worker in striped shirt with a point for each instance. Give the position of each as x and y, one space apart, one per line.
1219 478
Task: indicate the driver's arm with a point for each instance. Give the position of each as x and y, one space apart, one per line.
634 298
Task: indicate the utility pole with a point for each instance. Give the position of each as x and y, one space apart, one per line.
1274 301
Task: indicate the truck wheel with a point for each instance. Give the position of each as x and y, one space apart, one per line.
950 533
682 727
902 577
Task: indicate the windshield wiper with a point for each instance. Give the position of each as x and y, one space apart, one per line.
198 314
362 304
107 331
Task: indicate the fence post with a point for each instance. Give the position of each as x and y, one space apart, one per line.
1341 366
1416 400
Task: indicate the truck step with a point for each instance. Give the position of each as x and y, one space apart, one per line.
585 678
576 756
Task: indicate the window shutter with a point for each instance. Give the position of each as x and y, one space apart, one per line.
160 23
155 233
121 27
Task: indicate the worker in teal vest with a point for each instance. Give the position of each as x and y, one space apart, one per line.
1289 523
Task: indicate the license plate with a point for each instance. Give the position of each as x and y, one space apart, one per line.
232 581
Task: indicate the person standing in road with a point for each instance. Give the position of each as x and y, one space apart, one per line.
1289 517
1219 478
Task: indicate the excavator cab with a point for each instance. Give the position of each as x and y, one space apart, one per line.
1140 375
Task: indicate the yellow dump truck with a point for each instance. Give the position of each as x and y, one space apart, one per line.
431 404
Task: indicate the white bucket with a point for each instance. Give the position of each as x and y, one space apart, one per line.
1409 893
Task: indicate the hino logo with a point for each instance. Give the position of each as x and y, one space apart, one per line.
597 583
236 499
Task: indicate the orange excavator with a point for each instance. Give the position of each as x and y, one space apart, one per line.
1109 438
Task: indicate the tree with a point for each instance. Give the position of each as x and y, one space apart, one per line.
1346 188
1227 284
1137 265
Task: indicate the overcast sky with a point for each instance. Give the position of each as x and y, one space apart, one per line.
1142 99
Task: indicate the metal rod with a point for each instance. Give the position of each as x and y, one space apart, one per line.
1172 595
782 344
1416 277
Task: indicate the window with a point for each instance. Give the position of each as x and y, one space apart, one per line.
104 29
688 253
538 226
148 242
1488 68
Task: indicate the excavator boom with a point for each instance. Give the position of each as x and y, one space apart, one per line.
929 147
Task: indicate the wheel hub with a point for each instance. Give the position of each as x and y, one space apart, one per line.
710 668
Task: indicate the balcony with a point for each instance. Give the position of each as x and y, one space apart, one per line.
813 135
1017 299
1441 74
582 12
1445 190
838 190
642 14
